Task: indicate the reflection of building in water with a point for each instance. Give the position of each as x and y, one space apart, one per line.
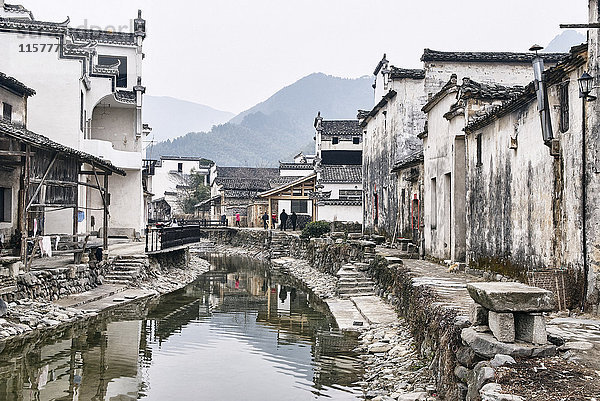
97 364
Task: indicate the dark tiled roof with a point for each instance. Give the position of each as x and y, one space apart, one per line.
34 26
279 181
553 75
341 174
40 141
17 8
488 57
397 73
241 193
472 89
409 160
247 172
126 96
384 100
15 85
244 184
341 128
201 160
361 114
295 166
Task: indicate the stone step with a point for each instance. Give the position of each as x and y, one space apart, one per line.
355 285
116 281
125 268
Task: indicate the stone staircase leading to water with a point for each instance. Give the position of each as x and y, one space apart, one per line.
127 270
353 282
279 244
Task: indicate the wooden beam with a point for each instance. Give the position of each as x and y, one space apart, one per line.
53 182
95 173
17 153
37 190
61 205
105 220
590 25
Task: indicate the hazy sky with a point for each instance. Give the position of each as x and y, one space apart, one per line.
232 54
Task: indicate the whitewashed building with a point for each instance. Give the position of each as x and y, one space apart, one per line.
89 97
338 165
172 177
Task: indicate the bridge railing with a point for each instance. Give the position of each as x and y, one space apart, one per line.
159 238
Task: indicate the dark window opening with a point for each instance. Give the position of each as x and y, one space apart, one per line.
340 157
5 205
563 94
433 213
81 117
299 206
112 60
335 140
376 208
479 159
356 140
6 112
180 167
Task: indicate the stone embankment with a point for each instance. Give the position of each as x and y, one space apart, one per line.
394 368
23 316
458 353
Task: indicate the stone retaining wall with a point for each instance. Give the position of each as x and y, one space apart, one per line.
436 330
51 284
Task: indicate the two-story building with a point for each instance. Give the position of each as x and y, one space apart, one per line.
89 97
171 180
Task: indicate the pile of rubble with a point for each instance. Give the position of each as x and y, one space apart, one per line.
393 367
24 316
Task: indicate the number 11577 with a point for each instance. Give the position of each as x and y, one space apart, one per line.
38 47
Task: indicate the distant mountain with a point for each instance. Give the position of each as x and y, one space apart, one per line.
277 128
159 112
562 43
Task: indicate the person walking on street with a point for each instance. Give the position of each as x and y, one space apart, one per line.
237 220
265 218
283 216
294 219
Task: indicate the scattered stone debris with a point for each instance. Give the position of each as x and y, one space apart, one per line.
25 315
177 278
393 368
549 379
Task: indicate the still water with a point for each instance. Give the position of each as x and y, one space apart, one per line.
239 332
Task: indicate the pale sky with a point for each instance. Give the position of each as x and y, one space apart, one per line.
232 54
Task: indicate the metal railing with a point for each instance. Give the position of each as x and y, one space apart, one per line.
161 238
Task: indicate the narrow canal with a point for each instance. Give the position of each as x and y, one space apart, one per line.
239 332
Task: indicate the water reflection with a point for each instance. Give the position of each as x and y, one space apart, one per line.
238 333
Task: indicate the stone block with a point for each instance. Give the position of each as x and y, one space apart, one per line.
501 360
511 297
467 357
487 346
531 328
493 392
502 326
15 268
478 315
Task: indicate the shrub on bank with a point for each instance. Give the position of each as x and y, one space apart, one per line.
315 229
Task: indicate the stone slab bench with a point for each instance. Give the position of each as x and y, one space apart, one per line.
512 311
511 297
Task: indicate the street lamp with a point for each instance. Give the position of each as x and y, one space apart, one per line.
586 83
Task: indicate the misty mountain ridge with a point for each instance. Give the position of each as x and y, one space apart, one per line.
562 43
277 128
170 117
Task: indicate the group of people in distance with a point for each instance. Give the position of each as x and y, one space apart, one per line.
283 217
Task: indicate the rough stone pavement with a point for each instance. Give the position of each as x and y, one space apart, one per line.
581 333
